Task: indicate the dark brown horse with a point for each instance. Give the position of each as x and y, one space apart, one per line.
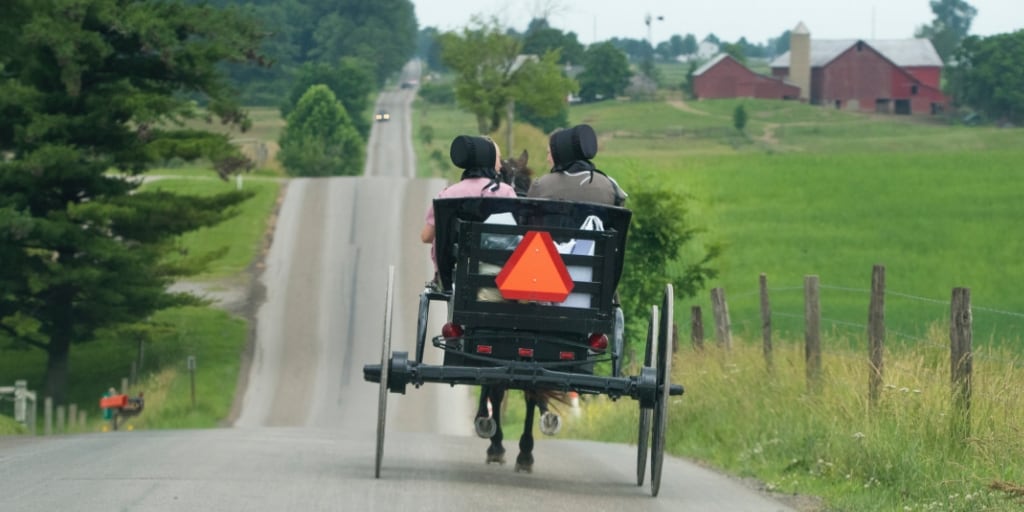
515 172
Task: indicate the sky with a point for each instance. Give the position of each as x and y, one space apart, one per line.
757 20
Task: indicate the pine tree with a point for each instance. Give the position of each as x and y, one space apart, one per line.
88 87
320 139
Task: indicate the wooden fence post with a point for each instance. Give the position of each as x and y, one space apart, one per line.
60 420
696 328
961 360
720 308
48 416
766 322
876 334
812 332
72 417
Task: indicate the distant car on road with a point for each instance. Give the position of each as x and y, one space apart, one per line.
409 84
382 116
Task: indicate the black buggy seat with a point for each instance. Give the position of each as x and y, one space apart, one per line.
470 251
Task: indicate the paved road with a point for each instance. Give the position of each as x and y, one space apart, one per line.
304 439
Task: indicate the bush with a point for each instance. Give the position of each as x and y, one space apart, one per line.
320 139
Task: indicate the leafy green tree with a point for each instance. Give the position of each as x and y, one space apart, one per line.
951 25
428 48
605 72
735 50
491 71
88 86
541 38
319 139
352 81
988 76
688 85
739 118
660 249
689 45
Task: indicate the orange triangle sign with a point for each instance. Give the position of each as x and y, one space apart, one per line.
535 271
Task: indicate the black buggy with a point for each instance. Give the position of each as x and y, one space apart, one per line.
511 322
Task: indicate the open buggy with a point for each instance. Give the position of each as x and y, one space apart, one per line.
530 289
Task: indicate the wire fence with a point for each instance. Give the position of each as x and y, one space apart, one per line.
910 320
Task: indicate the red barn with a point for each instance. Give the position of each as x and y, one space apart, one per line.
724 77
895 76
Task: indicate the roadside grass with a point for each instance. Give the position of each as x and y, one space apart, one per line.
241 235
901 455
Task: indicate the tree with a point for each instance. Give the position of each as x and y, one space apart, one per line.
491 71
659 232
988 76
605 72
351 80
951 25
734 50
541 38
690 45
88 86
319 139
739 118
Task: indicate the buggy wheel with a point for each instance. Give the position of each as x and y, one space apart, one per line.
421 326
664 385
645 412
385 369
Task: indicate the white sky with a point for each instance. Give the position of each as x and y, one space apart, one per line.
757 20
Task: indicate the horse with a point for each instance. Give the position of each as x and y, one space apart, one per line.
516 172
488 423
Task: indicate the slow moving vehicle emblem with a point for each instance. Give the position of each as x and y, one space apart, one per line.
535 271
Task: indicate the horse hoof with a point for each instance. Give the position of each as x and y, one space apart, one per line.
497 456
485 427
550 423
524 463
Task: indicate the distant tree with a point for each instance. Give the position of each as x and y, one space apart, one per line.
635 49
491 71
951 25
739 118
541 38
688 84
89 87
351 80
779 45
712 38
735 51
606 72
690 45
428 48
988 76
319 139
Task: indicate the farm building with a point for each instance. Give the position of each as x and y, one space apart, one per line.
725 77
899 76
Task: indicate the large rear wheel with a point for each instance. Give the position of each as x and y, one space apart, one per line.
644 434
664 385
385 369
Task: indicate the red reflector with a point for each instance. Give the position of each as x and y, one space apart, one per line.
535 271
525 352
451 330
566 356
483 349
598 341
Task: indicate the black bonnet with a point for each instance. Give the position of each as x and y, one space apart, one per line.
473 152
573 144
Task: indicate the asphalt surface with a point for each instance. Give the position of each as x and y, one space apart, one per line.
304 439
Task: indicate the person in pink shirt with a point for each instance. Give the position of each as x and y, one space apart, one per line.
480 159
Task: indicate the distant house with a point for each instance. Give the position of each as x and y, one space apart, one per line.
724 77
900 76
894 76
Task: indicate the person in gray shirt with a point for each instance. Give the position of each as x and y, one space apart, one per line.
573 176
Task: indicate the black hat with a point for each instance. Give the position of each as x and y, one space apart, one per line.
473 152
573 144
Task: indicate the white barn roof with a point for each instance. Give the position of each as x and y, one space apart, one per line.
902 52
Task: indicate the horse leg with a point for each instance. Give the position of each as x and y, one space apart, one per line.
496 452
524 461
484 424
550 423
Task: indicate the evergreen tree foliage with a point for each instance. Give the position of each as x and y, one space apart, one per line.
352 82
320 139
87 87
